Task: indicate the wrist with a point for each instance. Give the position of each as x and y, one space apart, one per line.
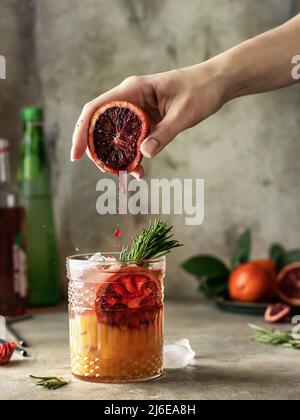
230 74
215 76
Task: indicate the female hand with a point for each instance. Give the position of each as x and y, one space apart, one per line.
174 101
179 99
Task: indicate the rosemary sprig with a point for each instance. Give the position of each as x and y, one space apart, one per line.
154 242
51 382
274 337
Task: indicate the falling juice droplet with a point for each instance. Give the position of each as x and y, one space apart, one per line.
118 233
122 182
117 245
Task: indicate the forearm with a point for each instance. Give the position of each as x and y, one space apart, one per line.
261 64
180 99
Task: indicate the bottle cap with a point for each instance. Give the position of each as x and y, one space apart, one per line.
32 114
4 146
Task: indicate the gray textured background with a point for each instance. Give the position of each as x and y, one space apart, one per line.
62 53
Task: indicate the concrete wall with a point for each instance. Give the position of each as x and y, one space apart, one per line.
62 53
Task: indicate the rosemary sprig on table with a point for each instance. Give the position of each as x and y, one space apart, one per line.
51 382
154 242
274 337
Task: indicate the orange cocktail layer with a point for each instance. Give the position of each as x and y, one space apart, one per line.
103 352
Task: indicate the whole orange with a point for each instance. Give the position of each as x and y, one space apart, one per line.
252 282
267 264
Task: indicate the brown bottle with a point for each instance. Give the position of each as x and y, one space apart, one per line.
13 263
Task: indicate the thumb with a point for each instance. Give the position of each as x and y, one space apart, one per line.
160 137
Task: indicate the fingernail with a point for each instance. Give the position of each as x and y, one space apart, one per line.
72 157
150 147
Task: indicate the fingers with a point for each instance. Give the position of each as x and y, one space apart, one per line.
90 157
139 173
130 90
88 153
161 136
79 141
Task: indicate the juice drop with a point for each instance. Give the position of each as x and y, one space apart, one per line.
117 245
122 182
118 233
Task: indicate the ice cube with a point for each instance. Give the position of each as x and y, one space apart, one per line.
178 355
111 259
88 270
76 269
98 257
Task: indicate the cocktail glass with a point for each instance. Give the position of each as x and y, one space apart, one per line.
116 318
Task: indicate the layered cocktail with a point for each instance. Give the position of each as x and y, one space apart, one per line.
116 318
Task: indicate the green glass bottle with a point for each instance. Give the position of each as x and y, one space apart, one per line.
35 186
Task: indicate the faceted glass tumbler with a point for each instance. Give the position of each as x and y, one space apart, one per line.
116 317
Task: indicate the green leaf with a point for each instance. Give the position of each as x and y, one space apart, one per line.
202 290
277 254
292 256
217 285
50 382
214 286
205 266
242 251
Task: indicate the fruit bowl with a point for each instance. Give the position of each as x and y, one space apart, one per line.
258 309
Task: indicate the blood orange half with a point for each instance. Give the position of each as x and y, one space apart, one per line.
116 133
289 284
6 352
277 312
129 297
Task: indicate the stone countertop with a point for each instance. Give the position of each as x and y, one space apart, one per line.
228 365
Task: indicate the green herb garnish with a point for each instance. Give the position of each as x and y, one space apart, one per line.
274 337
154 242
51 382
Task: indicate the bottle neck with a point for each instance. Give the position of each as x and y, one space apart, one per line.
33 158
4 167
33 172
32 129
